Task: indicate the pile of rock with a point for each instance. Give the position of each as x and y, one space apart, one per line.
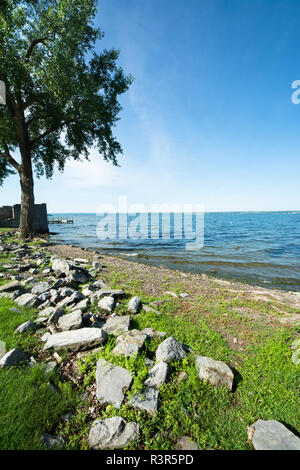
75 331
52 285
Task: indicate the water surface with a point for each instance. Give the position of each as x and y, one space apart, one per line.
258 247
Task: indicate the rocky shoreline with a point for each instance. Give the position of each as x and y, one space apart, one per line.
77 313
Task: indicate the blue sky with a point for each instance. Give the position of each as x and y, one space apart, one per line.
209 119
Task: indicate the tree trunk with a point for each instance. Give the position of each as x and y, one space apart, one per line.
27 201
26 179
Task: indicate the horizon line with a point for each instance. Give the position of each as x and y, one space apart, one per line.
176 212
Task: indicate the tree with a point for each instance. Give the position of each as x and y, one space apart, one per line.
61 95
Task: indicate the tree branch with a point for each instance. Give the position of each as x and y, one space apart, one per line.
7 156
33 44
28 103
11 103
52 129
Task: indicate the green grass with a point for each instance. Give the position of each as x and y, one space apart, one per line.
28 406
270 382
9 321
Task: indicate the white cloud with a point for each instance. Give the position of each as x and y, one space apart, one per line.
90 174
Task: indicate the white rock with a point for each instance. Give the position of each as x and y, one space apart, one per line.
117 325
157 375
107 303
129 343
99 284
76 340
40 288
153 333
111 381
108 292
27 300
112 433
272 435
64 302
10 286
47 312
71 321
65 292
150 309
12 357
82 305
27 326
81 261
77 277
61 265
87 292
45 337
55 316
169 350
147 400
214 372
134 304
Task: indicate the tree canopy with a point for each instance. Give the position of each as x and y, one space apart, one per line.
61 95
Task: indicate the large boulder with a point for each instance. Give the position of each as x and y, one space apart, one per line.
214 372
76 340
71 321
117 325
157 375
112 433
12 357
111 381
134 304
272 435
129 343
169 350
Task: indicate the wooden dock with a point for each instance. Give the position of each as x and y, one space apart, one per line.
60 220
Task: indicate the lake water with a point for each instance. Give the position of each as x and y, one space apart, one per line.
257 247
